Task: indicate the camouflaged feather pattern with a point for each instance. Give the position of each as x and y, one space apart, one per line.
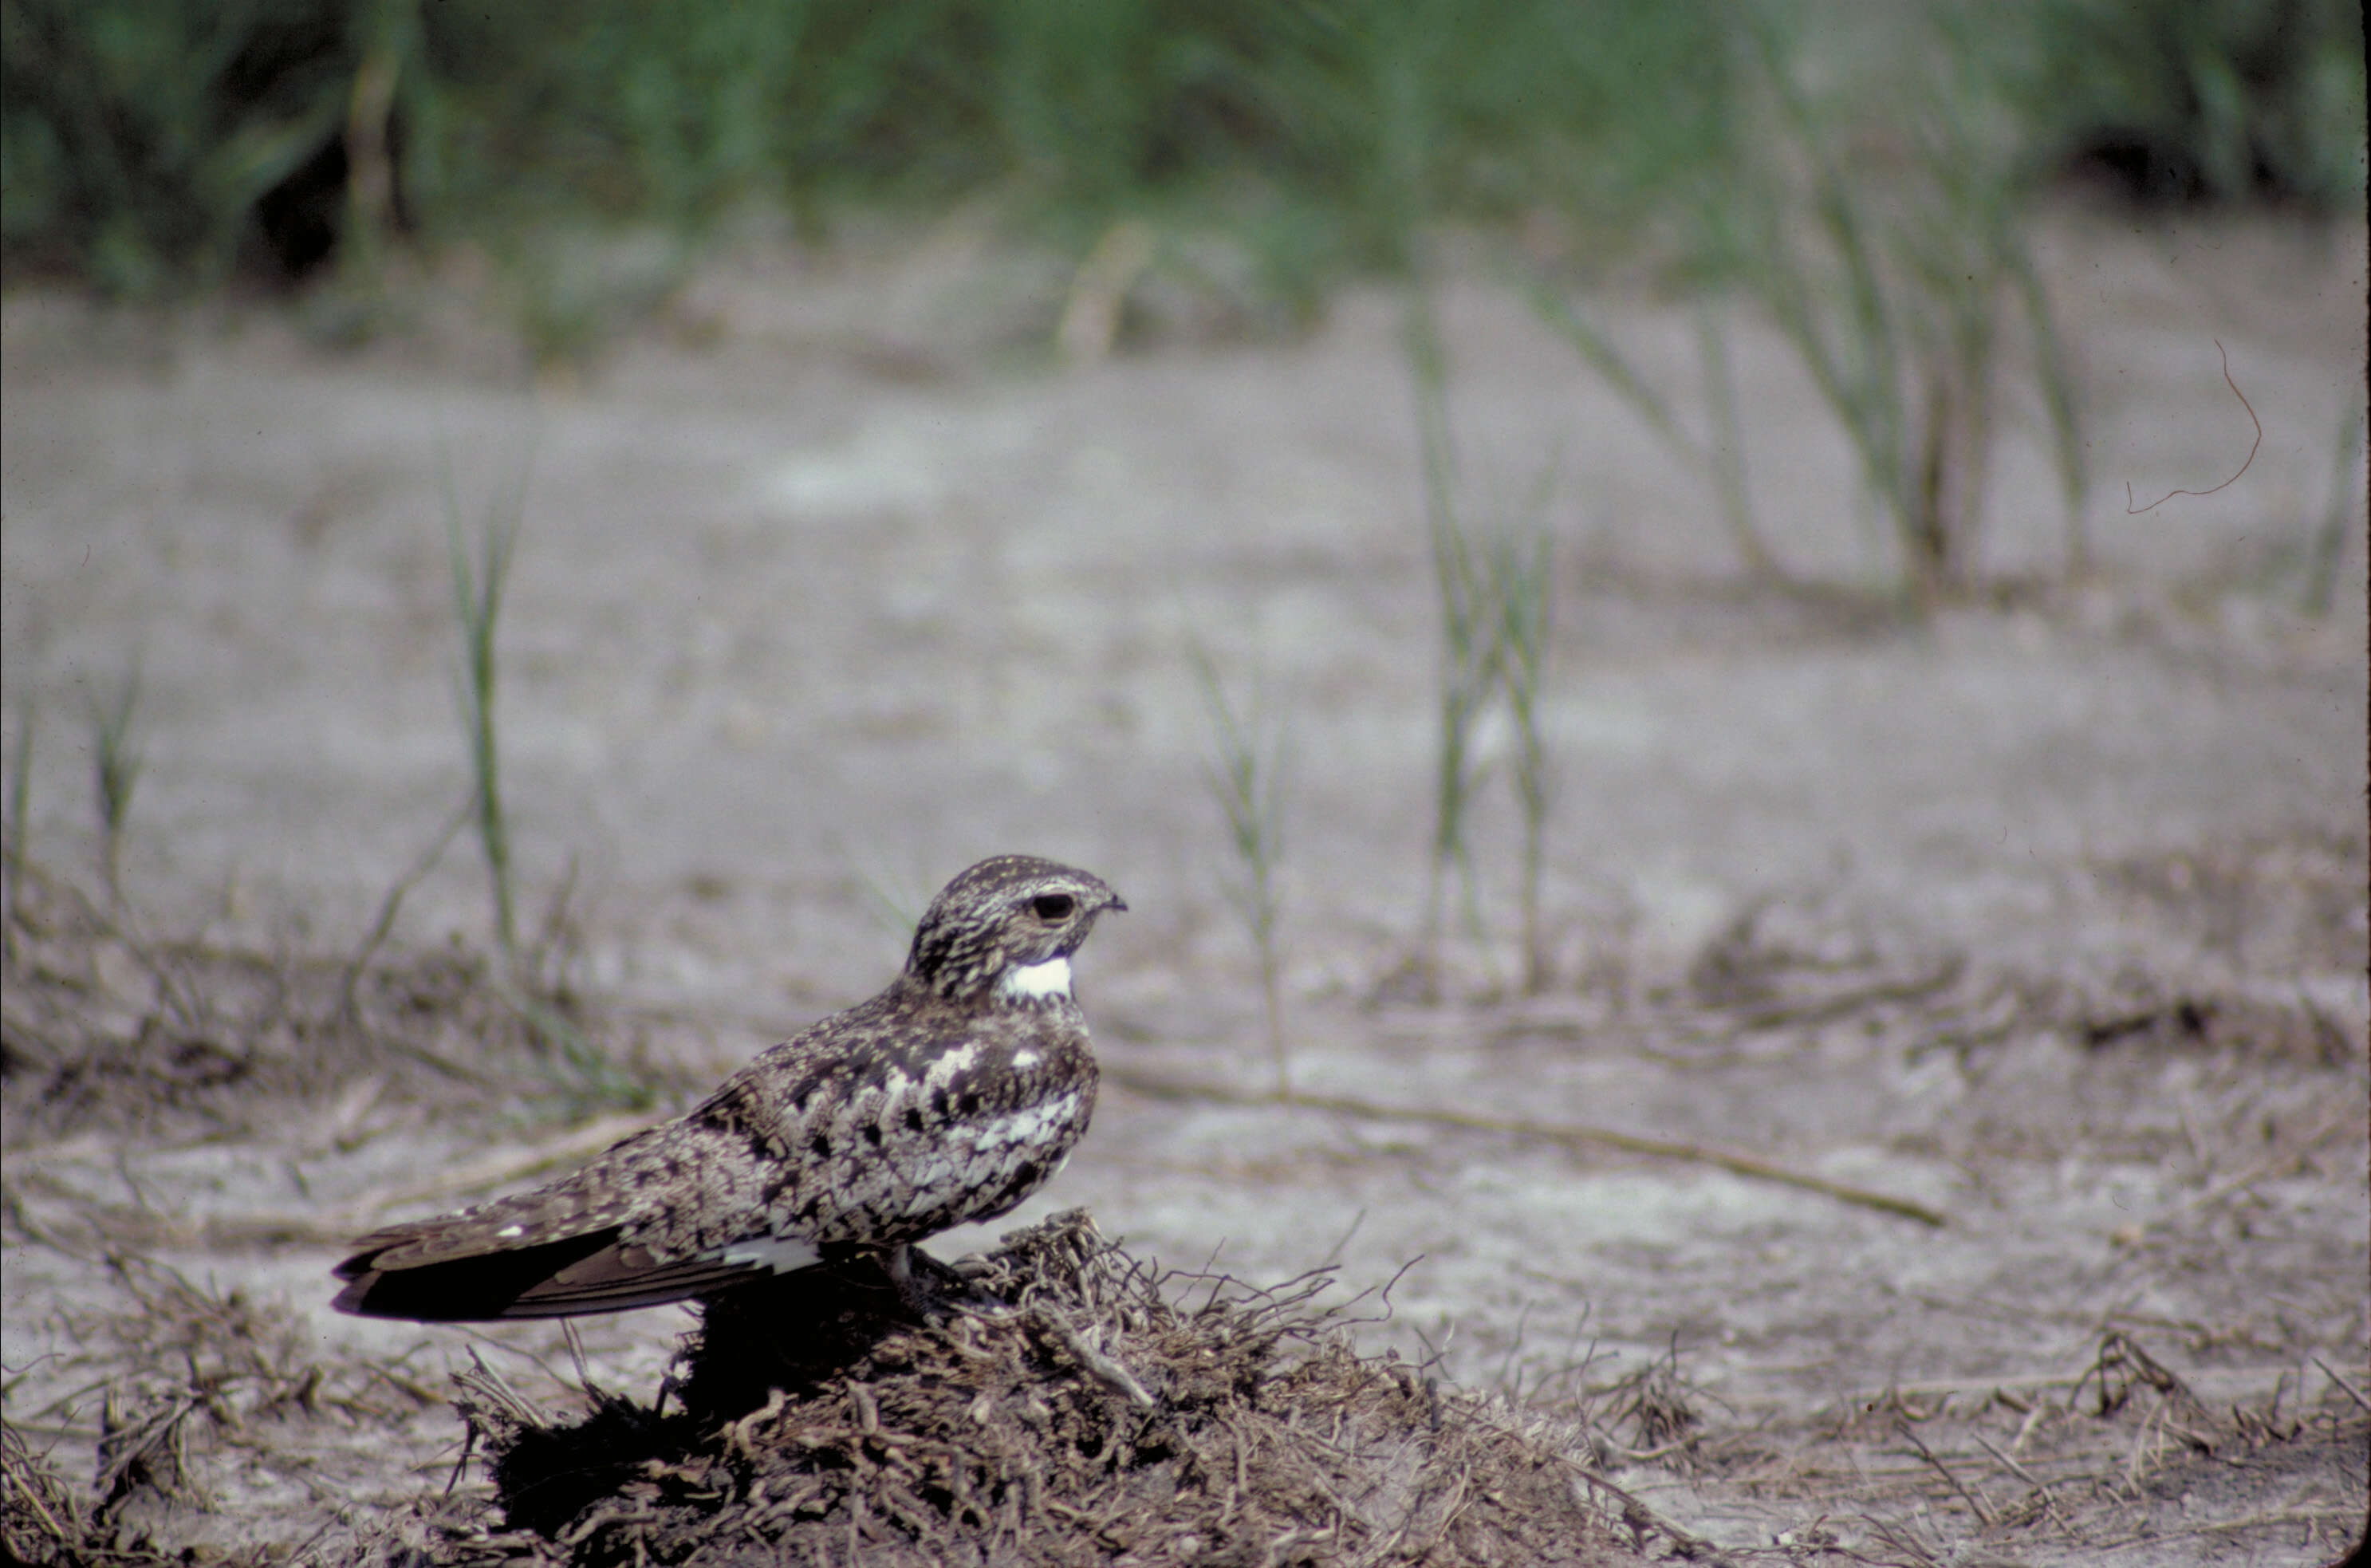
948 1098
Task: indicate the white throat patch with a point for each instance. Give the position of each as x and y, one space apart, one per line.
1029 983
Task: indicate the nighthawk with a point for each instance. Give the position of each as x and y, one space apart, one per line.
950 1096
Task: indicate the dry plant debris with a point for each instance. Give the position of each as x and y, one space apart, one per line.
216 1372
1113 1402
2058 1468
40 1519
1093 1410
106 1028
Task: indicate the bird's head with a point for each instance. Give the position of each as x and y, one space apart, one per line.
1007 928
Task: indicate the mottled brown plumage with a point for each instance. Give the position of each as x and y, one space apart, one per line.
950 1096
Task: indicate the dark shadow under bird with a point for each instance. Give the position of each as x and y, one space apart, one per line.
949 1097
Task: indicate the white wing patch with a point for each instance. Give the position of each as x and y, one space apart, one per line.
781 1254
1034 982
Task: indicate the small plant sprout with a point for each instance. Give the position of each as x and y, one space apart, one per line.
1246 778
1523 591
479 577
115 772
1495 585
477 585
1470 645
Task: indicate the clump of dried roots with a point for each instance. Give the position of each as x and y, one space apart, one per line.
1098 1411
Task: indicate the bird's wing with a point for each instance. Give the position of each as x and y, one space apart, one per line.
555 1279
600 1240
519 1224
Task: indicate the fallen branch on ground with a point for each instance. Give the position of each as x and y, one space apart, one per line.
1158 1087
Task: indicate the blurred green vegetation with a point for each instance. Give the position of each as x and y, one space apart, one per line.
2199 99
157 146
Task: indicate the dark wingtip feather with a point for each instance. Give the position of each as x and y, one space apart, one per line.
581 1274
464 1290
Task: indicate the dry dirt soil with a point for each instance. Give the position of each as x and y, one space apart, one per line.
2043 911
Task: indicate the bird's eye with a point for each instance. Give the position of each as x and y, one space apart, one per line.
1052 906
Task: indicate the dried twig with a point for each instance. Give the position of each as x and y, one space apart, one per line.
1159 1086
1974 1499
2345 1386
1084 1350
392 905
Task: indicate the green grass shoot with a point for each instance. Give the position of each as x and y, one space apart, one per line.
1246 778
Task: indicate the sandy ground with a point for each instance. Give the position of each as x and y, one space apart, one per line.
2046 912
